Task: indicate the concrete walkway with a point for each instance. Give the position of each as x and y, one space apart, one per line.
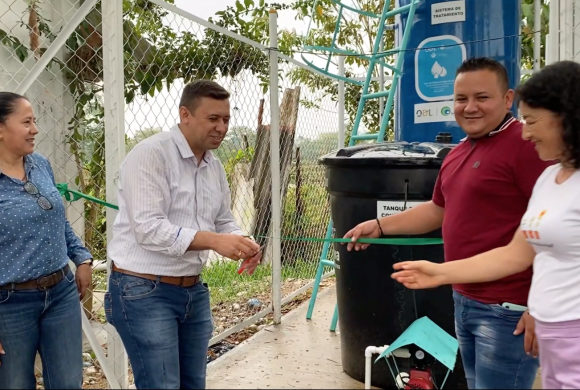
296 354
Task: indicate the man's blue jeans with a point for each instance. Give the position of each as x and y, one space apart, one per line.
493 358
165 329
45 321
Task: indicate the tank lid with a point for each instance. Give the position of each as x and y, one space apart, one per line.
414 152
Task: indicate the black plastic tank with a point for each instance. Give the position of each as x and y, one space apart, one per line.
365 182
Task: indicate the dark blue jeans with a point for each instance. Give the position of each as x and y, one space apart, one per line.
45 321
493 358
165 329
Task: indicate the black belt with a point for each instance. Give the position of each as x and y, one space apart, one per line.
42 283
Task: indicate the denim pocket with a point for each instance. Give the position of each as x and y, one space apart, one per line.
502 312
69 277
107 304
136 288
4 295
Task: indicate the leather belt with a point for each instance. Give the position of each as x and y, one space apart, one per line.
181 281
42 283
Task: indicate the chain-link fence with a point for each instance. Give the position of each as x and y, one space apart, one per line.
163 50
308 129
66 93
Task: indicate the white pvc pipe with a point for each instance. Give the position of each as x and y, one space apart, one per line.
369 352
341 103
55 46
537 33
372 350
275 170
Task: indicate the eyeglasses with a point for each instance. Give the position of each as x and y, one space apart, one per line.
40 199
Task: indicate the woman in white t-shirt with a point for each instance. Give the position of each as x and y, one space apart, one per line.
549 235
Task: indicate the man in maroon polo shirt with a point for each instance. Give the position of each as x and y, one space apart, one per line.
480 196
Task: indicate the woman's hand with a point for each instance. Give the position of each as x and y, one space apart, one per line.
418 275
84 278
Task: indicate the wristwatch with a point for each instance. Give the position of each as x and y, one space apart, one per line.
87 261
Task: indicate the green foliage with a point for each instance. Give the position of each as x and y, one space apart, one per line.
227 286
528 30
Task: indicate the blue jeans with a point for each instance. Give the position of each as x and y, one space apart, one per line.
493 358
165 330
45 321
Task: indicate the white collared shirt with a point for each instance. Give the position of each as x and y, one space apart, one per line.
165 198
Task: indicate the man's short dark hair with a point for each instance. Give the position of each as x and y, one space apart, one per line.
196 90
485 63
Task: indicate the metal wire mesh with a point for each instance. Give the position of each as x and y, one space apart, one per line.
306 209
163 51
308 130
67 100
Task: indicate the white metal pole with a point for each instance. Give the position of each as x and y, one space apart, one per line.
55 46
341 103
114 101
553 38
537 33
576 31
566 30
275 170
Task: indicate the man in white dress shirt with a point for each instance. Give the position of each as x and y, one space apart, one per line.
174 206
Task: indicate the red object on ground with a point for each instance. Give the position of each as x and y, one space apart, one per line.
420 379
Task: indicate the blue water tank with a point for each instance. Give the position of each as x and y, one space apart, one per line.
444 34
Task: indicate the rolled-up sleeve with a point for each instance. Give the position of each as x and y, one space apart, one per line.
74 247
146 191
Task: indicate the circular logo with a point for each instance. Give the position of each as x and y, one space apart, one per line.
446 111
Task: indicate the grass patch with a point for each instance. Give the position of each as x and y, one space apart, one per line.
227 286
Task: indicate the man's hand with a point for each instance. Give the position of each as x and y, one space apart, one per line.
250 264
528 325
368 229
84 278
235 247
419 274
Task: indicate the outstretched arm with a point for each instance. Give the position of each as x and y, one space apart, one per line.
496 264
